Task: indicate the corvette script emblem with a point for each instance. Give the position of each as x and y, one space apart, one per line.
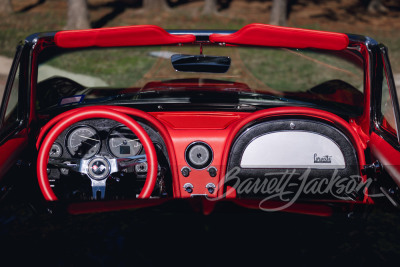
323 159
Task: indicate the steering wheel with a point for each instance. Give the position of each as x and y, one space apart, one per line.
99 167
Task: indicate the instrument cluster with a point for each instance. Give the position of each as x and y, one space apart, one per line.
89 139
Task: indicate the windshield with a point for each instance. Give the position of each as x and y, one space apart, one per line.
68 77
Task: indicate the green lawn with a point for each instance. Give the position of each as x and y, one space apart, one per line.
117 67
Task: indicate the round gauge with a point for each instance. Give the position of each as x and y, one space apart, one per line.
199 155
123 142
83 142
56 150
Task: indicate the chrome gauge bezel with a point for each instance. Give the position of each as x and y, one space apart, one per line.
69 135
60 149
196 166
113 152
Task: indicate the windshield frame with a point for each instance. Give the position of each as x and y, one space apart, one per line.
365 45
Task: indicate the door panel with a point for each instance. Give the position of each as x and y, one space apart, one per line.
387 155
13 137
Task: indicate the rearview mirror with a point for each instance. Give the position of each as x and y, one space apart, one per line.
200 63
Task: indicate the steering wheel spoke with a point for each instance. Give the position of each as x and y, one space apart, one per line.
124 163
70 164
98 188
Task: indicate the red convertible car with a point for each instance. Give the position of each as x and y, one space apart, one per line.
266 117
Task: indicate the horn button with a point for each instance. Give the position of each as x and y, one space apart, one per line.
99 168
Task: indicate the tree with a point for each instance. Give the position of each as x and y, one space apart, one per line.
278 12
78 15
5 7
376 6
155 5
210 7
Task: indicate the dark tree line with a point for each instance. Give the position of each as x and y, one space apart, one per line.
279 10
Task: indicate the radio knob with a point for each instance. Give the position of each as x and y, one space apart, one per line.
210 187
188 187
212 171
185 171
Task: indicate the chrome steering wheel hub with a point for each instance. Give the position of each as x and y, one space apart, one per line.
99 168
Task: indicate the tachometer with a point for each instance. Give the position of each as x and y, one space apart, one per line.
122 142
83 142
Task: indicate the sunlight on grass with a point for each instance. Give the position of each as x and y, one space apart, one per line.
291 70
116 67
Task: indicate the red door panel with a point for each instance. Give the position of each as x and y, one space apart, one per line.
387 155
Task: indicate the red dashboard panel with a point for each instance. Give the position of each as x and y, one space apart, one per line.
219 129
211 128
197 120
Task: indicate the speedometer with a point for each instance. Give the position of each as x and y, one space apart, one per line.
83 142
122 142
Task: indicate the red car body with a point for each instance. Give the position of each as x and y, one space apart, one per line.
27 140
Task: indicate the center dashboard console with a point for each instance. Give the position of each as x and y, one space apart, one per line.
204 144
199 139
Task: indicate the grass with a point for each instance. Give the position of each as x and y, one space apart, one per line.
288 70
116 67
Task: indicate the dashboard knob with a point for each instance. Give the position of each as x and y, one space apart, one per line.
210 187
212 171
185 171
188 187
141 167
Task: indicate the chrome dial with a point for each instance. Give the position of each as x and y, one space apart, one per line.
199 155
83 142
122 142
56 150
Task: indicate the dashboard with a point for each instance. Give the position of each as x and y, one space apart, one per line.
197 151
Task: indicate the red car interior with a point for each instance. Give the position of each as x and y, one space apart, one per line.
216 133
